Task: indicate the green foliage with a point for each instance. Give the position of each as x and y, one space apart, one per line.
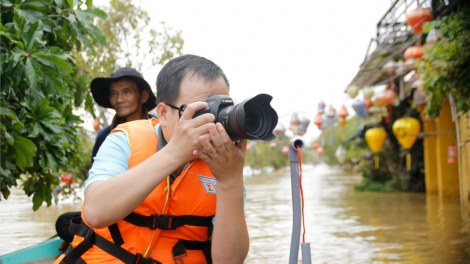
446 64
369 185
38 92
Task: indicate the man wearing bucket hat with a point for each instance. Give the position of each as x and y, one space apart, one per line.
130 96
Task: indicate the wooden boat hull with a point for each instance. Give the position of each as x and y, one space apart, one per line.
42 253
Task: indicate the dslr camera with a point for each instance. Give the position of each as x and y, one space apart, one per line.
252 119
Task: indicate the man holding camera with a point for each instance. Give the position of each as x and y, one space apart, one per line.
156 185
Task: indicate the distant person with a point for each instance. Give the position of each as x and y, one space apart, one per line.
130 96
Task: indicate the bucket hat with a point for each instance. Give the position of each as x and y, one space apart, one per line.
100 87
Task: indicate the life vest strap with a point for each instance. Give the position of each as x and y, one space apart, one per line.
179 250
77 227
168 222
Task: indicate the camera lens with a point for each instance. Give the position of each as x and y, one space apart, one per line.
251 120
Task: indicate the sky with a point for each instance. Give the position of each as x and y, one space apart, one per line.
300 52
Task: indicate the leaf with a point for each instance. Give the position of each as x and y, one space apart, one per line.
9 138
70 3
35 3
97 35
51 163
32 16
33 72
95 12
16 55
7 3
35 129
53 82
89 3
8 112
19 21
51 50
461 101
25 152
59 3
38 198
52 61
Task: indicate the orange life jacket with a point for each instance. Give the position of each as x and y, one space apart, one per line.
172 225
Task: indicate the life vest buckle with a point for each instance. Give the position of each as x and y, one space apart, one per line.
163 222
141 260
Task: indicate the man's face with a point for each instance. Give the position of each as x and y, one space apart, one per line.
124 97
192 89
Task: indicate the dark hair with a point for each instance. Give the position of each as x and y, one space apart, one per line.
169 78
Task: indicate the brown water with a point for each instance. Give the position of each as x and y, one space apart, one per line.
343 226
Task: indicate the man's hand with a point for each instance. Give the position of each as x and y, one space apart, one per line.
225 160
188 131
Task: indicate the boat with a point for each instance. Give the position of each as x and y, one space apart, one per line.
42 253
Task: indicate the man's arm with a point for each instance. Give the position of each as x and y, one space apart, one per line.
230 240
109 201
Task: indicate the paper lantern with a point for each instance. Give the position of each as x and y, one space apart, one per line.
406 131
352 90
66 178
368 104
248 147
359 107
320 150
432 36
340 154
294 120
375 138
331 112
321 107
285 150
315 146
318 120
343 112
304 122
386 97
402 69
415 52
417 18
342 122
272 145
368 93
96 124
279 130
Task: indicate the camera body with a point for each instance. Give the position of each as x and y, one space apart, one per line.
253 119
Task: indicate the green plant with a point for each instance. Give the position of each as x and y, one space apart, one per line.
446 63
39 88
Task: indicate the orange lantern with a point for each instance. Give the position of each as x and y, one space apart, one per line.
417 17
369 103
285 150
96 124
320 150
375 138
386 97
343 112
315 146
406 131
318 120
451 155
415 52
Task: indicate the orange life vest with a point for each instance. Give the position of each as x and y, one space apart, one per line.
172 225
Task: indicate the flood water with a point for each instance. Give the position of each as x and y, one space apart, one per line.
343 226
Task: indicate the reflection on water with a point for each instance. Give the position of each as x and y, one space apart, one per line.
343 226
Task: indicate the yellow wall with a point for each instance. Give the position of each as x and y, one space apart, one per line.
464 130
430 165
447 173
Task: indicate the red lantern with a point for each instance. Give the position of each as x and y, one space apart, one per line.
318 121
343 112
417 17
285 150
452 154
272 145
386 97
320 150
248 147
369 103
315 146
96 124
67 178
415 52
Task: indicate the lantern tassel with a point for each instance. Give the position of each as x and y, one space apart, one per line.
408 161
343 134
377 162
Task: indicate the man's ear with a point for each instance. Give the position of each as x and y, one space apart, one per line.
161 113
144 97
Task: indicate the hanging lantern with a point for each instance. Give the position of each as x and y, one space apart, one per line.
432 36
279 130
294 120
386 97
375 138
406 131
96 124
359 107
402 69
331 112
285 149
352 90
291 127
66 178
410 64
390 67
343 112
417 18
272 145
315 146
321 107
415 52
419 98
342 122
368 93
304 122
248 147
368 104
318 120
452 154
340 154
320 150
